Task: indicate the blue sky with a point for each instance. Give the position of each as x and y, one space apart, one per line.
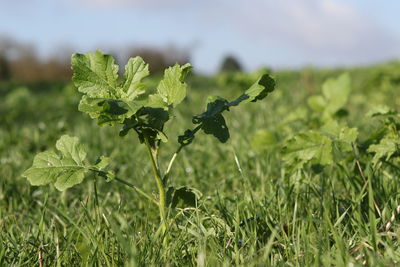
284 33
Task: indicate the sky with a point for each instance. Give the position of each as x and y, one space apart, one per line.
278 34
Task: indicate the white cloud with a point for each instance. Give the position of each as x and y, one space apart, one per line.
322 32
329 28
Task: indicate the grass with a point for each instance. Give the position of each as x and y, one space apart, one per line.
251 213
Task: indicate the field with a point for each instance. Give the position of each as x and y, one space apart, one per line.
309 177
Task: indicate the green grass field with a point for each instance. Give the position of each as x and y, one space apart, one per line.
264 201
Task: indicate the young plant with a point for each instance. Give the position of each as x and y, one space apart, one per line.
329 141
126 101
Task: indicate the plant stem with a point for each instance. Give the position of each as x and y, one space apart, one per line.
160 185
171 162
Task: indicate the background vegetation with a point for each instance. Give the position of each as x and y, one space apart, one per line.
261 204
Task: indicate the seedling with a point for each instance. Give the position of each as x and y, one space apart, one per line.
127 102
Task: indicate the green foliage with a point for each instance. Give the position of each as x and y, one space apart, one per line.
387 146
254 211
230 64
389 143
172 89
64 170
211 121
105 99
328 141
182 197
308 147
318 147
126 101
335 93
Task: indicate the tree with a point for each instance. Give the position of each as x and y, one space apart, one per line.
230 64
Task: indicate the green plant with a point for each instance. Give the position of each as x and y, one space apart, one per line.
329 141
126 101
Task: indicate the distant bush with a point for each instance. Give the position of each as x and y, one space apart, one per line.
230 64
160 59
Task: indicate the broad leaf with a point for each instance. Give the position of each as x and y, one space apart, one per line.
386 147
259 90
182 197
336 92
317 103
211 121
217 127
342 136
347 136
172 87
64 170
215 106
382 111
308 147
109 111
95 74
135 70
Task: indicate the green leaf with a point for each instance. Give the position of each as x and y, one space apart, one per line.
336 93
95 74
381 110
259 90
109 111
211 120
216 126
215 106
149 124
298 114
317 103
188 136
135 70
65 170
342 136
182 197
308 147
172 88
386 147
331 128
347 136
129 123
102 163
156 101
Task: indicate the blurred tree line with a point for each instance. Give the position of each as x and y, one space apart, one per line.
21 62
